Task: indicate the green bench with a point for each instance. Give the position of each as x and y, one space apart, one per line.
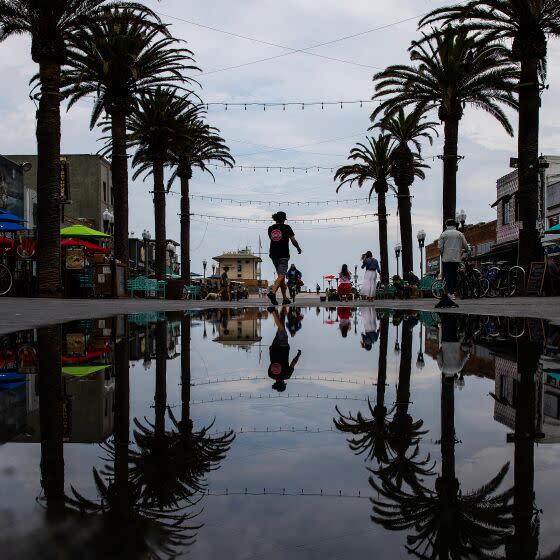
192 292
387 292
425 286
148 287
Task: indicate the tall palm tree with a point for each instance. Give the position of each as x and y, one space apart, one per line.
199 145
407 129
50 23
155 123
375 159
124 52
524 24
452 69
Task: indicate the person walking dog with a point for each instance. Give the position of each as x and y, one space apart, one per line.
280 235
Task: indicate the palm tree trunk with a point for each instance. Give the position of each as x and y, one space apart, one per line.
185 372
530 248
383 250
185 228
405 205
159 218
119 172
121 428
382 364
448 428
51 420
48 181
450 160
160 396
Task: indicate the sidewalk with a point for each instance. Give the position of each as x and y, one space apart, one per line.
28 313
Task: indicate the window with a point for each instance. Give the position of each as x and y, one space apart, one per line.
506 211
104 191
112 202
239 266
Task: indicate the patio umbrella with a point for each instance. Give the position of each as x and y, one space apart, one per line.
89 356
81 231
11 226
553 229
196 275
90 247
329 277
82 371
9 217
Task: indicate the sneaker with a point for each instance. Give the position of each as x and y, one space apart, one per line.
452 296
272 298
286 302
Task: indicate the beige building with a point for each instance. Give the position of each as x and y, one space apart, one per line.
243 266
241 330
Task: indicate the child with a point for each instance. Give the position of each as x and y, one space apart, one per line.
344 283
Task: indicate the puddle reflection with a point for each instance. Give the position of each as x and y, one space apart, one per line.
224 432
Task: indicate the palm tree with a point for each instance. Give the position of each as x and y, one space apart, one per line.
523 24
407 129
155 123
452 69
124 52
375 160
50 24
199 145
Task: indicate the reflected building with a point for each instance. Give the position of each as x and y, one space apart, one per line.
239 328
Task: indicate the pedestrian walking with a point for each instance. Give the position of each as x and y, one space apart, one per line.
344 283
451 245
318 289
280 235
372 269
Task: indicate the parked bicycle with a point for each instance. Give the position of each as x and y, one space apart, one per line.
504 280
470 283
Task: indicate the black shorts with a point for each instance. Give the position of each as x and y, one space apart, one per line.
281 265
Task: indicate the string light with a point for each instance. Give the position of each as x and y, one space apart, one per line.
284 104
296 220
222 199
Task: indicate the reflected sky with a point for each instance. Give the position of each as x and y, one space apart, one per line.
283 432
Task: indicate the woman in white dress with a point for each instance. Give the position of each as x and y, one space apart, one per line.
372 269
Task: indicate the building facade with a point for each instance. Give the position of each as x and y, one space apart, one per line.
11 187
243 266
88 188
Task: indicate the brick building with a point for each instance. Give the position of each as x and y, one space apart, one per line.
481 237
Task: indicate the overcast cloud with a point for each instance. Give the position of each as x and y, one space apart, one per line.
256 136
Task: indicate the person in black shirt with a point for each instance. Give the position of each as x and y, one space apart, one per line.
281 368
280 235
224 285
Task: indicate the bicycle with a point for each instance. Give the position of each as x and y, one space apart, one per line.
504 279
6 280
470 283
292 289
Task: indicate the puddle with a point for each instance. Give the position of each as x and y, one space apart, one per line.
308 433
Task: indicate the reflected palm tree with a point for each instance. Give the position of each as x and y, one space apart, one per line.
51 420
371 435
447 523
406 463
524 543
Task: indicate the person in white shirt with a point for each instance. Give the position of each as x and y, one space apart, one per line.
452 244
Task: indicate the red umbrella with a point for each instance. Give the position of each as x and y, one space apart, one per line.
329 277
89 247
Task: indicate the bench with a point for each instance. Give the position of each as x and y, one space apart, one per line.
148 287
192 292
425 286
386 292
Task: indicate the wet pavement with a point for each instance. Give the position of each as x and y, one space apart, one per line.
308 432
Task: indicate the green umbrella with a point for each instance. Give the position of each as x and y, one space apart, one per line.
81 231
82 371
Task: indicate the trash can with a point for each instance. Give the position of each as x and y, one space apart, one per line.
175 289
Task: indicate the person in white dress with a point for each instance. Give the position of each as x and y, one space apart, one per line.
372 269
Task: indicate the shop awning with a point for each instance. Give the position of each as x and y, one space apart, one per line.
81 231
82 371
554 229
553 373
504 198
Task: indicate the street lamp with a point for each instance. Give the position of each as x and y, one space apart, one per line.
146 236
356 275
421 236
204 264
398 249
420 359
213 269
461 217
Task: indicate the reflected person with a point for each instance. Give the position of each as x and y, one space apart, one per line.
371 329
281 368
452 355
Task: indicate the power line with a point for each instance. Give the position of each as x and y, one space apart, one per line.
296 220
290 49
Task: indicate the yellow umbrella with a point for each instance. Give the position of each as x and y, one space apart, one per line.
81 231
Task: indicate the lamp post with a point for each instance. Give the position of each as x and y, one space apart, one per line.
420 359
461 218
398 249
146 236
355 275
204 265
421 236
213 269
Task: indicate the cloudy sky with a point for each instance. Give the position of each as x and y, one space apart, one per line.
234 71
